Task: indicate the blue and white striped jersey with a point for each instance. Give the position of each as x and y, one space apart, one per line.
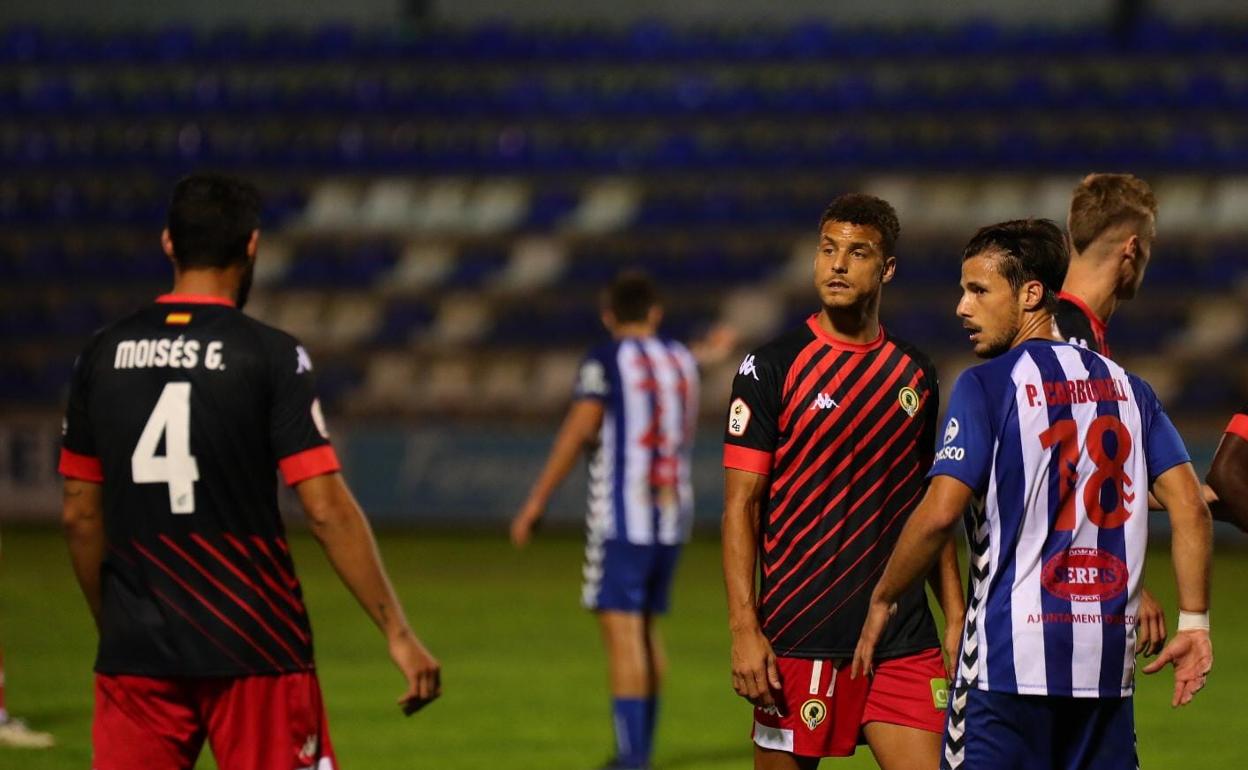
1060 446
640 489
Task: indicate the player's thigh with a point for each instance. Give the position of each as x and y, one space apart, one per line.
144 722
818 710
905 711
768 759
663 560
273 722
616 576
1098 734
990 731
903 748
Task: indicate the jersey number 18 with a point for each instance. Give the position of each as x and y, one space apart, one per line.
1109 470
177 467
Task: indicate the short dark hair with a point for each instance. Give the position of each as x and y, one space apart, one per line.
211 219
1028 250
1102 201
630 296
863 209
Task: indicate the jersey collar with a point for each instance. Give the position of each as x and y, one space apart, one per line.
193 299
1098 325
851 347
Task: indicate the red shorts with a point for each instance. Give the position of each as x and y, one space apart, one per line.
274 722
821 710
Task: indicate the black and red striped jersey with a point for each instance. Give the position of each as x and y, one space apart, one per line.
184 412
846 435
1074 322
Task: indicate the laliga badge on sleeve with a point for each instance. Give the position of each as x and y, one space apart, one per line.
738 418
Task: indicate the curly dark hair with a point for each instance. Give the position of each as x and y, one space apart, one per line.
865 210
211 218
1029 249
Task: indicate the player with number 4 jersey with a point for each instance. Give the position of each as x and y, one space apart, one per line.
179 418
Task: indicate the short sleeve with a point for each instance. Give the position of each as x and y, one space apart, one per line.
79 458
966 445
296 424
1238 425
753 416
591 378
1163 447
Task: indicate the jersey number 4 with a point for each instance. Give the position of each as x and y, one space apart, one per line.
1109 457
177 467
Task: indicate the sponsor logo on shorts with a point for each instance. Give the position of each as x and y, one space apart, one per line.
1085 575
908 397
940 693
813 713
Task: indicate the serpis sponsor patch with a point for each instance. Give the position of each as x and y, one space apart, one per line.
1085 575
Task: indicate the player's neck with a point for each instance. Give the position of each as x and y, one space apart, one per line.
856 325
632 330
1095 287
1037 326
204 282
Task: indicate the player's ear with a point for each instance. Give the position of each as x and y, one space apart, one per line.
608 319
890 269
1032 296
166 244
654 316
253 244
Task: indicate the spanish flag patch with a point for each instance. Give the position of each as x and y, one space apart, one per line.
177 319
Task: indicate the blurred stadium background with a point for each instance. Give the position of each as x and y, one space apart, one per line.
448 183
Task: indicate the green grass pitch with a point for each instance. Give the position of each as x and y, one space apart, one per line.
525 683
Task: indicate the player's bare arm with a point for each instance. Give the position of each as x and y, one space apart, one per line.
339 525
946 582
82 518
1191 650
928 531
578 430
1228 477
754 671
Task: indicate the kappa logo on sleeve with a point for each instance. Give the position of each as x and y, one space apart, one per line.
738 418
747 368
303 362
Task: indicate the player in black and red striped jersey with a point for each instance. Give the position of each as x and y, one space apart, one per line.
831 432
179 418
1228 475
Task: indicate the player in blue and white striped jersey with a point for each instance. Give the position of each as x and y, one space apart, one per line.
1051 449
635 410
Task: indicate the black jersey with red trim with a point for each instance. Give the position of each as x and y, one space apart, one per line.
1075 323
846 435
1239 423
184 412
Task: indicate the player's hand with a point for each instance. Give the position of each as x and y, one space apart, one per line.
525 522
952 644
1150 628
754 670
1191 652
878 615
419 667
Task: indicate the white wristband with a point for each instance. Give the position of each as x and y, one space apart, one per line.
1193 621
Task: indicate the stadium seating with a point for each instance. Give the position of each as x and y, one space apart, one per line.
442 203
